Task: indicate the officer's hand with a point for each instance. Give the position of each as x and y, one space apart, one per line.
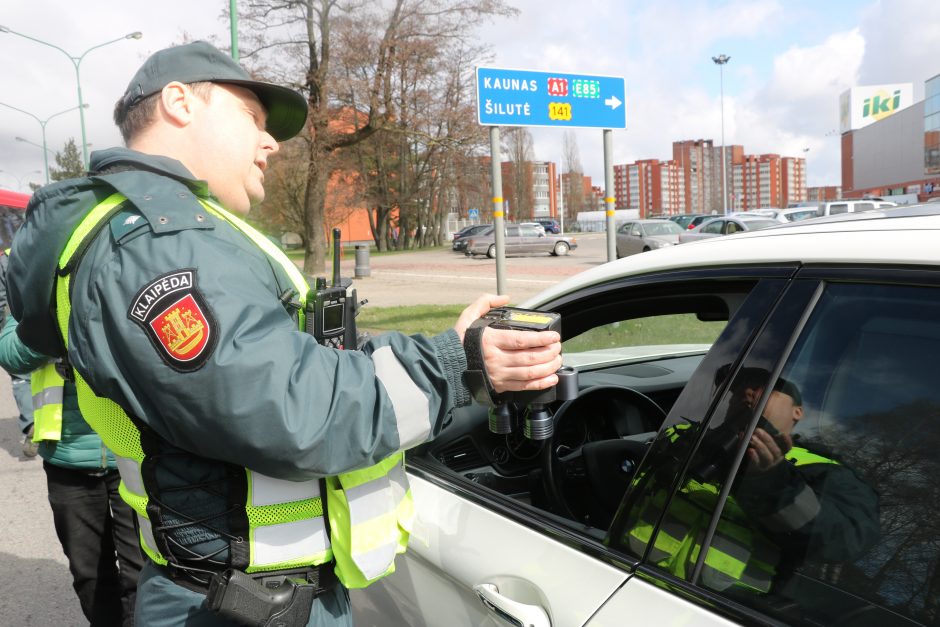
515 360
765 451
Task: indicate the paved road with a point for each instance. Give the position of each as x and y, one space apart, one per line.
444 277
35 585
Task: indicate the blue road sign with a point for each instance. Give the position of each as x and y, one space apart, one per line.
528 98
473 214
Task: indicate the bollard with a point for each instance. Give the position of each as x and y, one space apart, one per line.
362 261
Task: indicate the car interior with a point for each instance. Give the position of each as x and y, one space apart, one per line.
634 356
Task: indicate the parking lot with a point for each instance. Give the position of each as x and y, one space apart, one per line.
443 277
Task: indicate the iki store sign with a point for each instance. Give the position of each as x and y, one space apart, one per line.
861 106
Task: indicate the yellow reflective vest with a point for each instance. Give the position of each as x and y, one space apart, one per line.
48 388
370 510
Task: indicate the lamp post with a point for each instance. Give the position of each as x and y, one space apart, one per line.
720 61
42 124
76 63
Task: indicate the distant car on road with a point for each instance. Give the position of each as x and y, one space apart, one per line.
521 240
834 207
550 225
640 236
726 226
462 236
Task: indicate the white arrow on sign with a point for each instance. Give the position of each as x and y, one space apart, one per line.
613 102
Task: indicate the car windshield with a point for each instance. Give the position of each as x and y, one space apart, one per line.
662 228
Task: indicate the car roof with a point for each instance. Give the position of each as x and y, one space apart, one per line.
905 235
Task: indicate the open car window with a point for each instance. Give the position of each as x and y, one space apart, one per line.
636 349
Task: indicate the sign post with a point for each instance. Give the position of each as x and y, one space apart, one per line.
508 97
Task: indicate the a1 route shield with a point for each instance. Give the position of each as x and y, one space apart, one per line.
528 98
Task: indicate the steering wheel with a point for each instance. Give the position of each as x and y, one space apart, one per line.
588 482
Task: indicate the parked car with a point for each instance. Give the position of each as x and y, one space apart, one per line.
521 240
640 236
651 503
690 220
834 207
462 236
550 225
726 226
784 216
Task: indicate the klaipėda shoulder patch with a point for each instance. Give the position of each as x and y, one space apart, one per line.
175 316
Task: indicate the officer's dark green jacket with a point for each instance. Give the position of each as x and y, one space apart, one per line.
261 393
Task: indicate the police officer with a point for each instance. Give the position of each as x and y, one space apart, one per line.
256 459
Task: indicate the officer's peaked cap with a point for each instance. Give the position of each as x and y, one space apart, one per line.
201 61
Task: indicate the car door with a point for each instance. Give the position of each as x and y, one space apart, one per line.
514 242
535 240
487 548
837 525
625 240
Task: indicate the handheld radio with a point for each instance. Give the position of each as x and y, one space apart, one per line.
331 312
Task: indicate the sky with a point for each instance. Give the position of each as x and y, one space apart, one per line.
790 61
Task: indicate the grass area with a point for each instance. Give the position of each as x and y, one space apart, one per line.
426 319
675 329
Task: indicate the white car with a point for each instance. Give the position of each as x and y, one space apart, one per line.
754 441
726 225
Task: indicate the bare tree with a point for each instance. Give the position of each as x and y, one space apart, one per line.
574 186
302 42
520 151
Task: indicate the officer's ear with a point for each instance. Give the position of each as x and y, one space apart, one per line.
797 413
178 103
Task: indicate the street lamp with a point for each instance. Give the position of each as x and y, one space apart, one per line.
29 141
42 124
76 62
720 61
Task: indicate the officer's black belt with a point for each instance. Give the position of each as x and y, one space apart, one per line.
321 577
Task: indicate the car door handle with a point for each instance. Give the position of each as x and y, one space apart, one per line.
512 612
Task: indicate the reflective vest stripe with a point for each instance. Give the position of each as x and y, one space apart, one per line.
47 387
293 272
411 405
291 543
98 213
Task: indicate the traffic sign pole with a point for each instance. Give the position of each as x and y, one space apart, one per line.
609 194
498 229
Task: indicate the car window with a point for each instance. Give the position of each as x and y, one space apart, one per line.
625 228
636 231
512 231
838 208
796 216
832 515
663 228
649 331
864 206
531 231
713 227
732 227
